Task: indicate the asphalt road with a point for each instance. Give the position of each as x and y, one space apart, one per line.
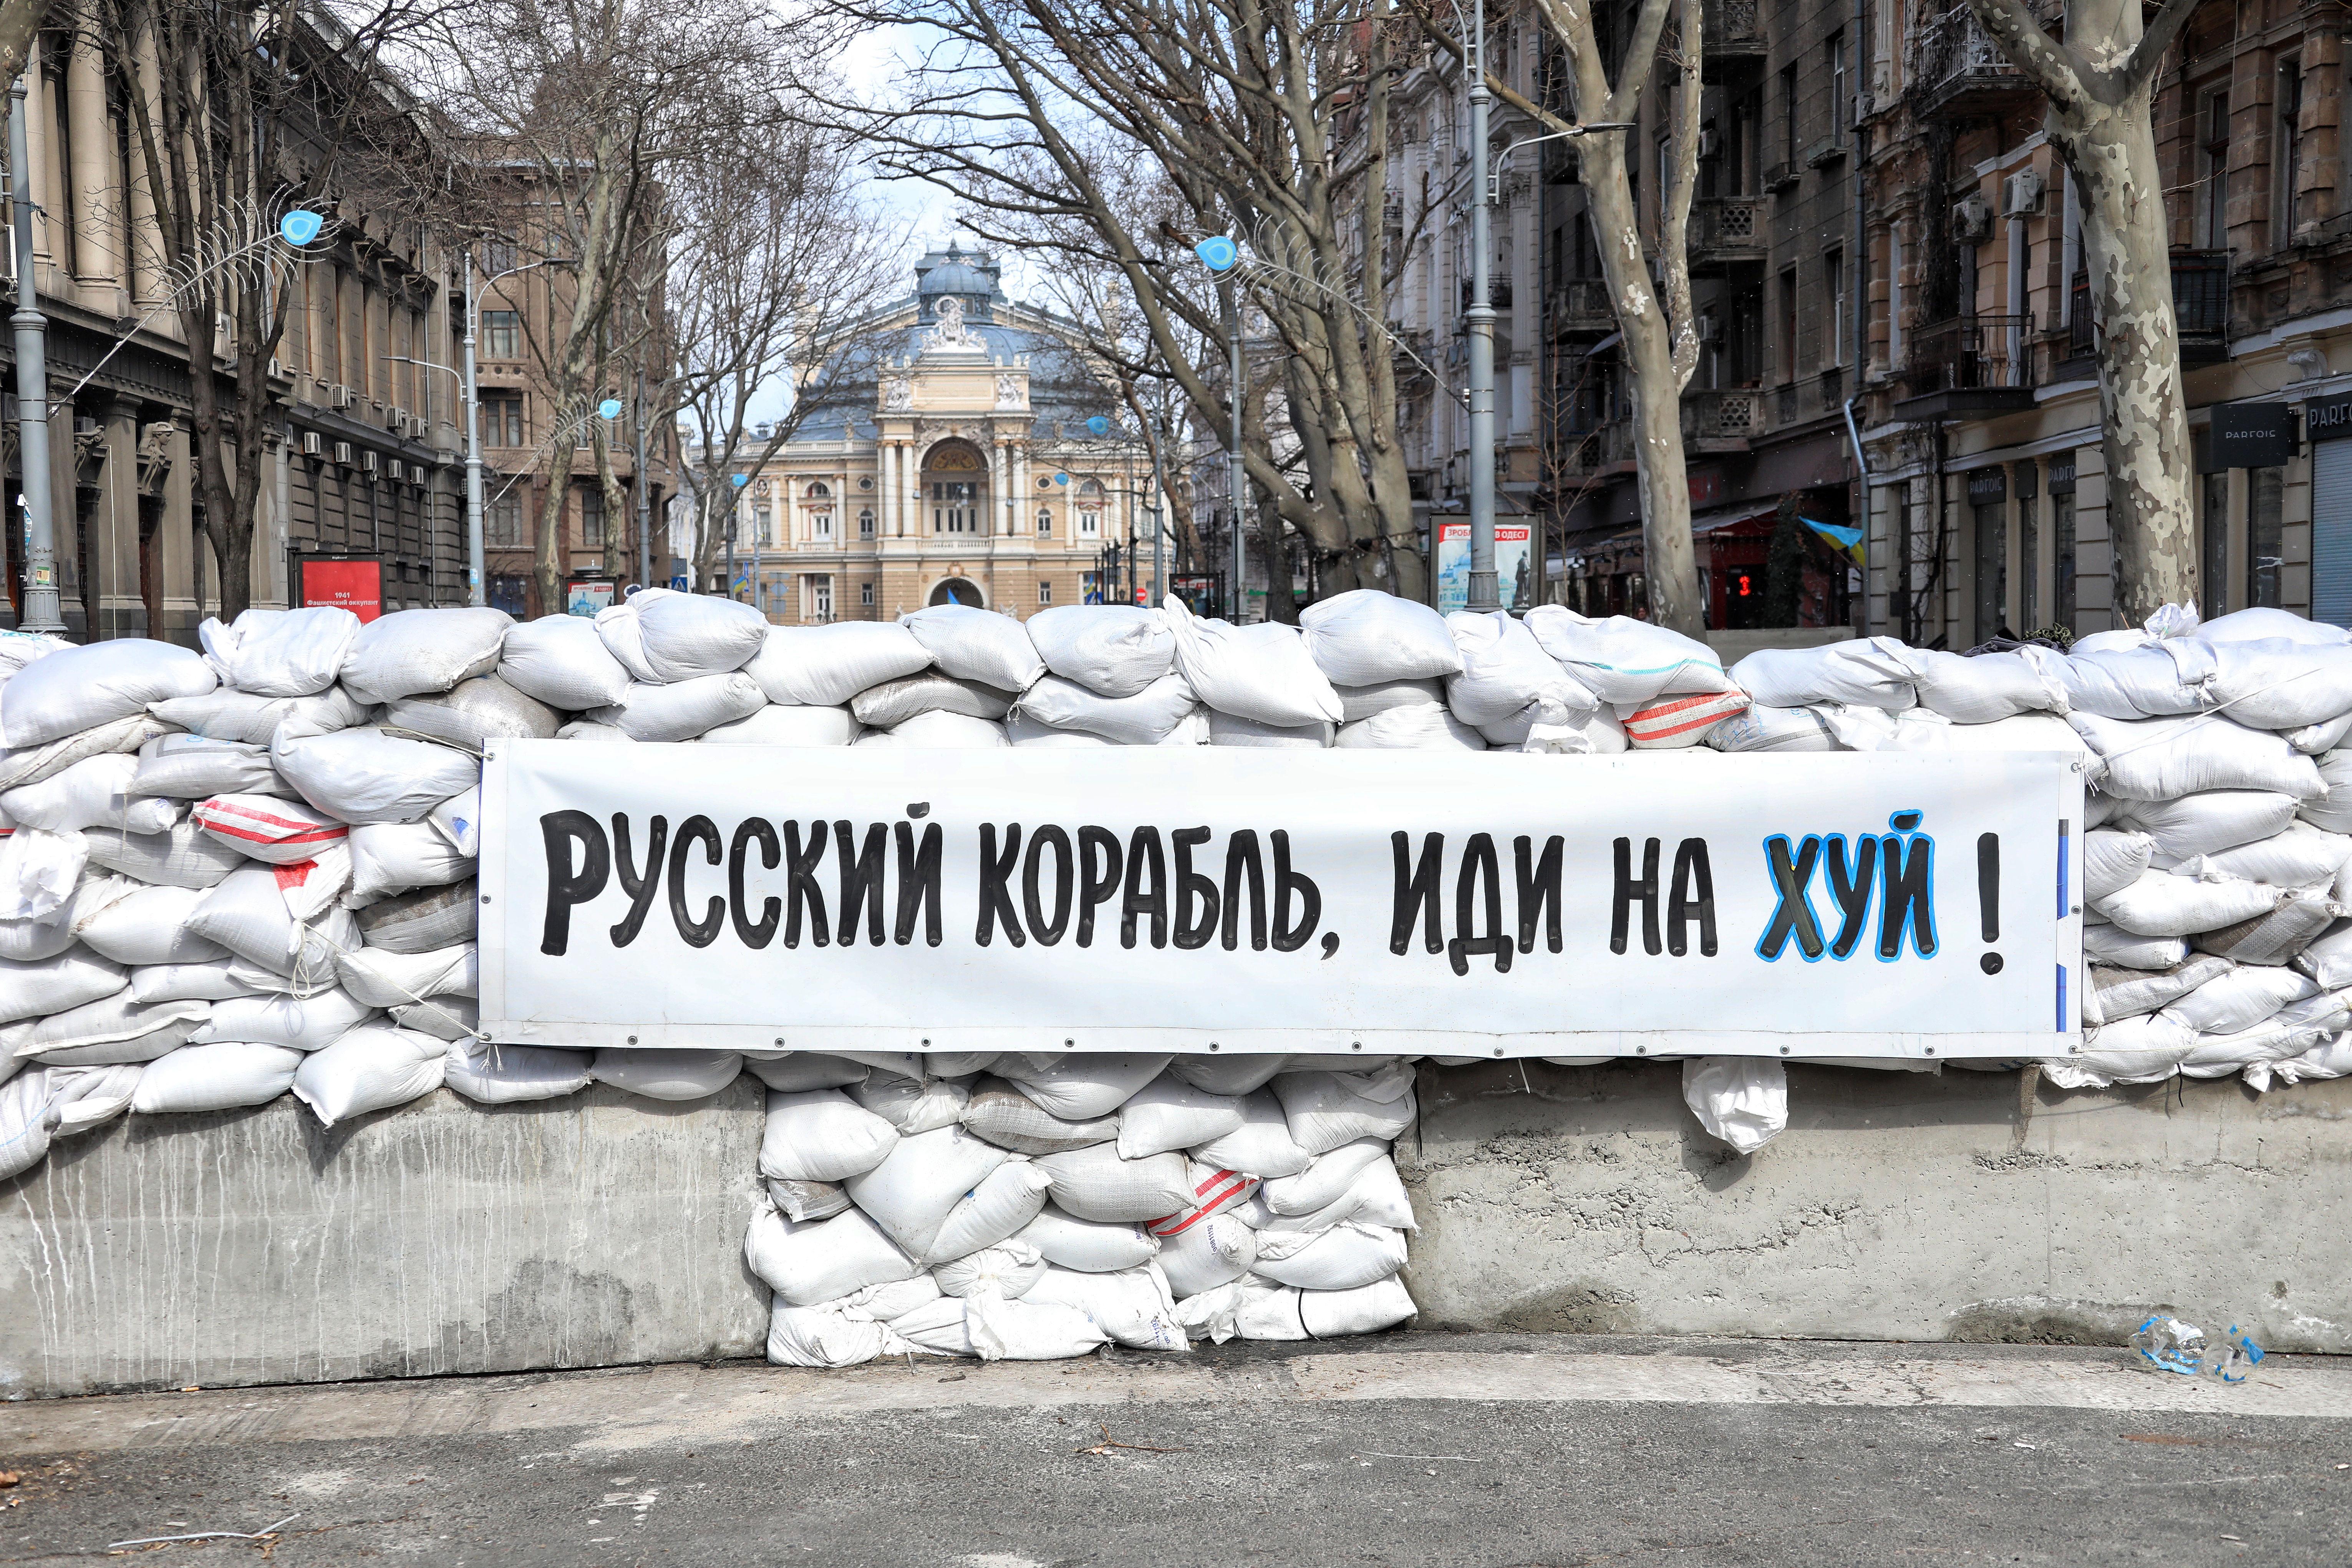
1496 1451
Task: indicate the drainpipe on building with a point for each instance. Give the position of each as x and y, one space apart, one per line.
1861 272
32 392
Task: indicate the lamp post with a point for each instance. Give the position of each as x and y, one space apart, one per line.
475 583
32 391
1220 256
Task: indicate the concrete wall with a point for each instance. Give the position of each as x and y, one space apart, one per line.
1896 1206
257 1247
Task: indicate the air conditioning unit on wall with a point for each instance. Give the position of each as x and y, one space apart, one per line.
342 454
2021 195
340 396
312 443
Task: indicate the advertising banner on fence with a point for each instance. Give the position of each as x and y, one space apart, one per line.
1203 899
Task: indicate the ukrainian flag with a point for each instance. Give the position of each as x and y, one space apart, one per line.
1846 541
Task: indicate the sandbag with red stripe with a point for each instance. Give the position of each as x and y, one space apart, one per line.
1679 719
281 832
1214 1191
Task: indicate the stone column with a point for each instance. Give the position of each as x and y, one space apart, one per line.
114 528
1526 310
145 264
178 549
97 205
1000 483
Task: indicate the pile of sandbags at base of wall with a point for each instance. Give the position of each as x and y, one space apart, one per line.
1027 1207
2216 852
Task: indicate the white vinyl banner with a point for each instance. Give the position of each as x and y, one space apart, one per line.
1208 898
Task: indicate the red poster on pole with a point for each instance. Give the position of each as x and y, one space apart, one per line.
355 585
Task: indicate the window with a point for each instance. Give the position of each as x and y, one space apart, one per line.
1838 87
498 256
1992 569
2262 548
1089 525
819 491
2062 557
502 419
1788 345
2286 153
866 531
1044 524
502 521
761 526
1788 114
502 335
1044 592
2213 210
1834 266
592 520
821 598
821 525
866 595
510 594
952 507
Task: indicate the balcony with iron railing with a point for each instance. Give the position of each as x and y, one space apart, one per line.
1722 419
1733 33
1580 305
2200 308
1956 71
1726 231
1970 364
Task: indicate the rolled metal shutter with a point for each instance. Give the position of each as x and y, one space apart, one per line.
2331 532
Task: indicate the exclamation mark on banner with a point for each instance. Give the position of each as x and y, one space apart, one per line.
1989 896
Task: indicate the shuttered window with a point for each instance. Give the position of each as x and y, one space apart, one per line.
2331 532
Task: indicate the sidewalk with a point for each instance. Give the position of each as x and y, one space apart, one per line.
1407 1448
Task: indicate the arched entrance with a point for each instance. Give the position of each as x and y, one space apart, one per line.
959 591
955 488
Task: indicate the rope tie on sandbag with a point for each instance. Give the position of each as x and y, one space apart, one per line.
471 1032
2216 712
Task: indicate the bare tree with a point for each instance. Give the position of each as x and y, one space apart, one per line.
21 21
2100 81
1661 334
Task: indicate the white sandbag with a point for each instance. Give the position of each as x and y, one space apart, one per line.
281 653
2301 857
1260 1146
362 774
473 715
1743 1100
1006 1271
1144 718
82 1098
1006 1200
1361 702
1112 651
38 871
1758 728
941 733
996 1330
2152 678
2117 993
1260 672
2113 860
807 1262
2262 625
226 715
77 688
805 1336
1367 1309
1867 672
137 734
2105 943
661 635
1080 1088
2331 809
1234 1075
2327 958
458 819
1132 1306
1678 719
72 978
247 914
2313 740
26 1120
201 982
1366 638
795 1072
1022 730
30 941
893 702
2239 998
783 724
18 650
1921 730
912 1105
562 661
1987 687
2159 903
826 665
452 1018
2161 759
266 828
1214 1191
1216 1252
1168 1113
191 767
150 927
1620 659
2277 684
491 1074
111 1030
822 1135
94 793
2277 936
1376 1195
1231 729
373 1068
2207 823
1096 1184
923 1178
390 858
221 1076
187 857
1000 1114
2330 1058
665 1074
1343 1257
2219 1055
1326 1180
2143 1049
599 734
409 651
1426 727
299 1023
422 920
1326 1110
1088 1245
972 644
807 1200
1505 672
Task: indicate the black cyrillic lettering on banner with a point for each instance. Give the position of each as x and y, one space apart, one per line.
1478 865
1693 897
862 873
1415 896
1290 935
1907 870
753 933
802 896
567 883
704 931
1241 856
919 884
642 887
996 885
1145 898
1193 891
1628 891
1539 881
1792 880
1048 931
1850 885
1099 860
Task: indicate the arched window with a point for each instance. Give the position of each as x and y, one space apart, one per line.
819 491
866 525
1045 523
1091 489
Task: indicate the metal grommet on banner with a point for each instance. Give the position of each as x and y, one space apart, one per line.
1784 1050
1068 1043
633 1039
486 898
780 1039
1498 1050
1641 1050
1931 1050
1212 1045
1355 1045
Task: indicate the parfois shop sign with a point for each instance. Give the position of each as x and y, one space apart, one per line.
1234 899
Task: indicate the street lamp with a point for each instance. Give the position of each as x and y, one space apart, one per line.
1221 255
475 583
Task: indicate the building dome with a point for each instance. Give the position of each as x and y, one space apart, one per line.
967 276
